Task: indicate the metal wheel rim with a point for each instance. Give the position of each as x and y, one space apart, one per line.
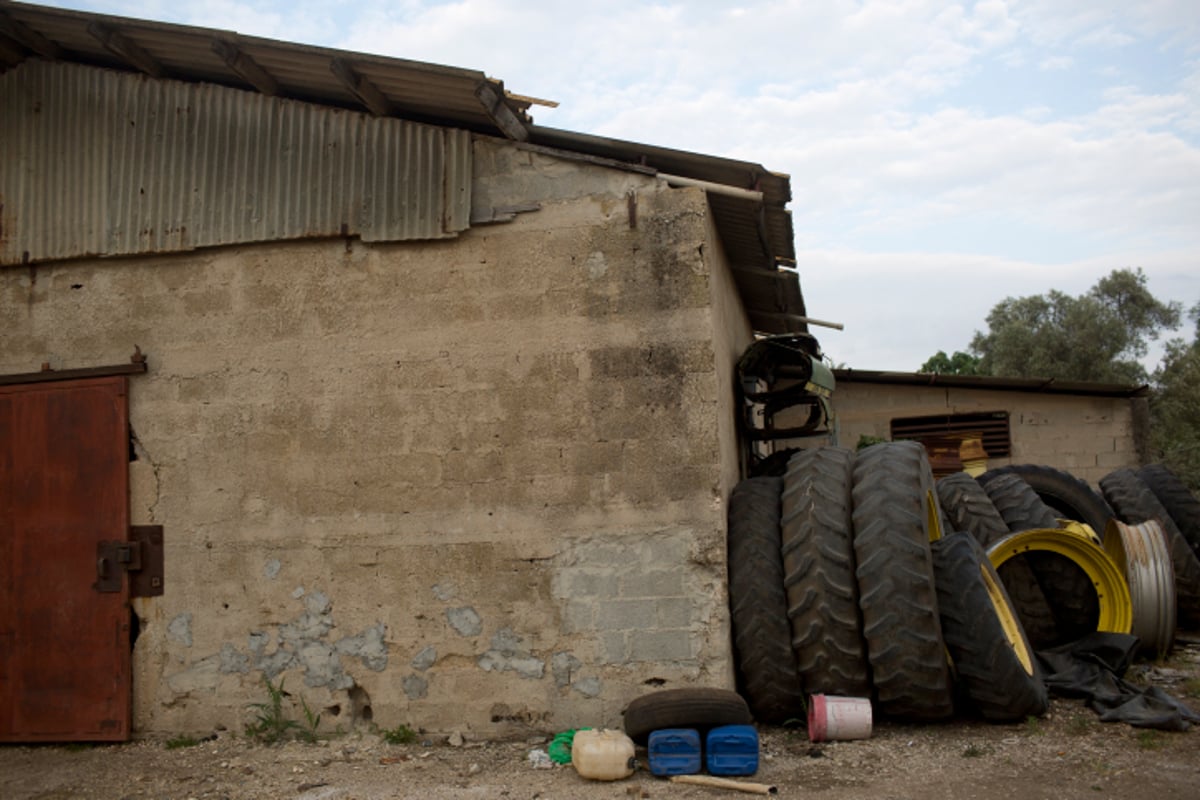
1112 592
1140 552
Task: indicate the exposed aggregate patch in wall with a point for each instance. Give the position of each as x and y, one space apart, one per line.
465 621
302 643
424 659
508 652
180 629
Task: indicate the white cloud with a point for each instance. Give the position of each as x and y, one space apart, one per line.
1055 63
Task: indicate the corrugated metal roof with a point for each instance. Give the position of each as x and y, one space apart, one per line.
185 165
423 92
757 234
1037 385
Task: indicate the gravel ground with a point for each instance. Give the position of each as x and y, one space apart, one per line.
1067 754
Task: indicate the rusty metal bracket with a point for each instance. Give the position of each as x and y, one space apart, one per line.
141 558
148 581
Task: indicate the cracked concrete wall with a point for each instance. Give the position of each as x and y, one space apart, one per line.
470 485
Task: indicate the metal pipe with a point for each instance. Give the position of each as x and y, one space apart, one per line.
837 326
715 188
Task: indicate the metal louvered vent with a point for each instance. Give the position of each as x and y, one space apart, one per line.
991 427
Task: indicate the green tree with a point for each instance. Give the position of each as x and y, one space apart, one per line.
958 364
1175 407
1098 336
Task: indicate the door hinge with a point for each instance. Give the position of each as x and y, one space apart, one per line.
141 558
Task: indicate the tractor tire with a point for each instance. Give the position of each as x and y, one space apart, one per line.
766 665
897 597
968 508
1134 503
818 569
1175 497
684 708
1069 592
992 657
1067 496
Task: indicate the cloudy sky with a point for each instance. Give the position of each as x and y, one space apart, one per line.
943 155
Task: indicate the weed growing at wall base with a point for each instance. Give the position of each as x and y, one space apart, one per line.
182 740
270 725
401 734
311 721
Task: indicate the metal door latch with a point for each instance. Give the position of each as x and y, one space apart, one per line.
141 558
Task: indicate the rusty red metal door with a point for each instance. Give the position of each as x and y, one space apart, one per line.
64 488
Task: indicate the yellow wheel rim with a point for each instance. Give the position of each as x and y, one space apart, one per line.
1008 620
1112 592
932 517
1080 529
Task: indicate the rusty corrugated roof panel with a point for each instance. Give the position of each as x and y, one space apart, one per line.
757 235
418 91
118 164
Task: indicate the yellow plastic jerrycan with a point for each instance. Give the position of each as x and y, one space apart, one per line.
604 755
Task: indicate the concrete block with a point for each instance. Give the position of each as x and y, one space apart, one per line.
1115 460
671 547
619 553
675 612
614 646
585 584
670 645
577 616
624 615
652 584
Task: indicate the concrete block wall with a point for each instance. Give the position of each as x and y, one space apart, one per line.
470 485
1086 436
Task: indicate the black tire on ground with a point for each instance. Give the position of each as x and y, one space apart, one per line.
766 665
818 568
895 582
1067 588
1177 499
1067 496
968 508
992 657
684 708
1133 501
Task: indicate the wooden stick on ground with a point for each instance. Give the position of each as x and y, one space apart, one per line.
724 783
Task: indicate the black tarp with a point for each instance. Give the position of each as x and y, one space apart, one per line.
1093 668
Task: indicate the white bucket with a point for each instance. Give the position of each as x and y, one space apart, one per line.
838 718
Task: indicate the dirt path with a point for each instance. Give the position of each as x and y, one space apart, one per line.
1068 754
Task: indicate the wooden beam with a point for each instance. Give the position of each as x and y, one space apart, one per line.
504 117
29 38
125 49
571 155
367 93
246 67
47 375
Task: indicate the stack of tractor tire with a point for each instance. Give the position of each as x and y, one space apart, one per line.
856 574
